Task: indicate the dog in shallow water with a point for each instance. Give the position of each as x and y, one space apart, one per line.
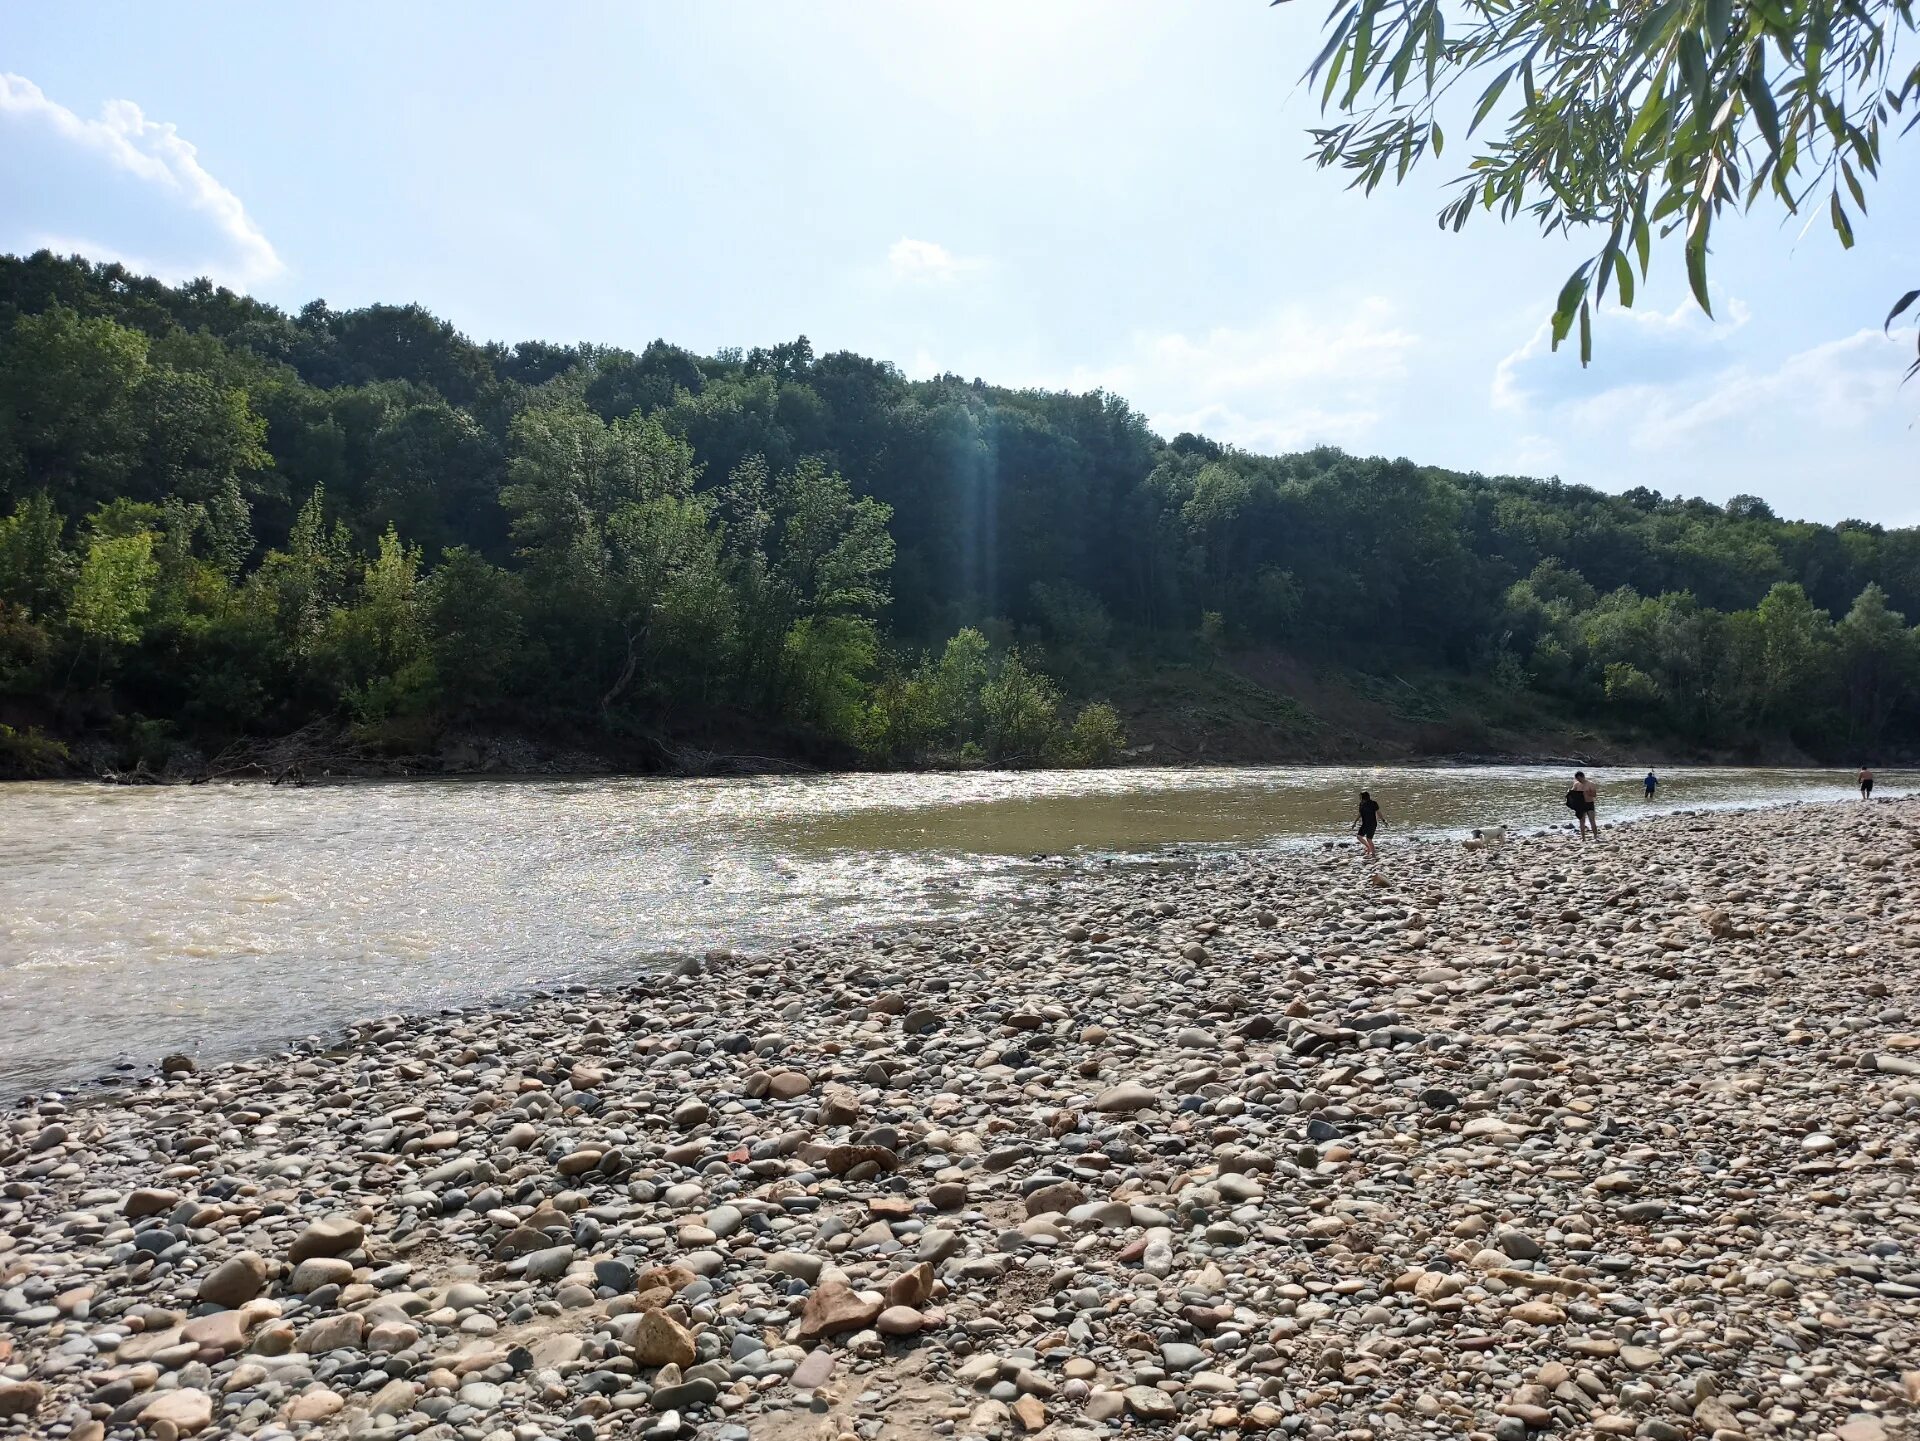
1486 838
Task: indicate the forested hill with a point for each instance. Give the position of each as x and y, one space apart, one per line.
223 523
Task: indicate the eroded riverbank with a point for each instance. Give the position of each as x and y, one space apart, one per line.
1604 1140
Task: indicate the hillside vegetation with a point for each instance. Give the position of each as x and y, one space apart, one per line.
221 523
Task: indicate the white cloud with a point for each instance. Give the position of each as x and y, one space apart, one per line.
1297 378
1821 431
1836 386
925 262
225 242
1631 340
1534 455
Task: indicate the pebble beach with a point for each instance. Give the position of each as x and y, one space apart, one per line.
1542 1139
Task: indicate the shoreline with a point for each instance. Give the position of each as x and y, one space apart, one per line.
795 770
1484 1140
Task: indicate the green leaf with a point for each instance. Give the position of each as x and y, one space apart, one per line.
1853 184
1362 55
1842 227
1333 43
1439 140
1760 98
1586 334
1653 26
1572 294
1651 114
1333 74
1623 277
1693 72
1900 308
1490 97
1697 268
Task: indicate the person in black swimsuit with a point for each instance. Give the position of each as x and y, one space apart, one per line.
1866 783
1367 821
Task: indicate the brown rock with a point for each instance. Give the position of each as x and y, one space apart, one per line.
788 1085
834 1308
1057 1199
317 1271
185 1410
330 1333
235 1281
147 1345
21 1398
838 1106
911 1288
316 1403
146 1202
674 1278
1538 1313
1127 1096
659 1340
898 1321
947 1195
223 1331
1030 1413
329 1236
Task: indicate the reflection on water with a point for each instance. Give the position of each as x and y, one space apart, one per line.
214 918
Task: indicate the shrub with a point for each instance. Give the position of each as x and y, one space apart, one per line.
28 755
1022 713
1097 737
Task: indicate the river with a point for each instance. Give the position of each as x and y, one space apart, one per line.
219 919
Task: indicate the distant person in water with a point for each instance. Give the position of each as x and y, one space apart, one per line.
1367 821
1866 783
1580 799
1652 784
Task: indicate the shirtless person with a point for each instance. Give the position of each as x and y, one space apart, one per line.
1866 783
1584 813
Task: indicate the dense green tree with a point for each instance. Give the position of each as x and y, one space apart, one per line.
69 424
114 589
35 568
1877 659
227 520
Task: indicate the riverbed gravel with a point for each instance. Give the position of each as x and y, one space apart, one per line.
1544 1138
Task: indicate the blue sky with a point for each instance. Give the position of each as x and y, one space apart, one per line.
1079 195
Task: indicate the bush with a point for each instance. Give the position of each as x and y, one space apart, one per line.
27 755
1628 685
1097 737
1022 713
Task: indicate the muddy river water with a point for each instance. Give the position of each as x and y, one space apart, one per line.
218 919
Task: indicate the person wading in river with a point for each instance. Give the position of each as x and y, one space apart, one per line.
1580 798
1367 821
1866 783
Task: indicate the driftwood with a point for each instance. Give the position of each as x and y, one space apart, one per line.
318 749
138 776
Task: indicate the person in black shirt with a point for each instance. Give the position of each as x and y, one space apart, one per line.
1367 821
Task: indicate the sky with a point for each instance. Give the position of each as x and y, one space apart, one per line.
1075 195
